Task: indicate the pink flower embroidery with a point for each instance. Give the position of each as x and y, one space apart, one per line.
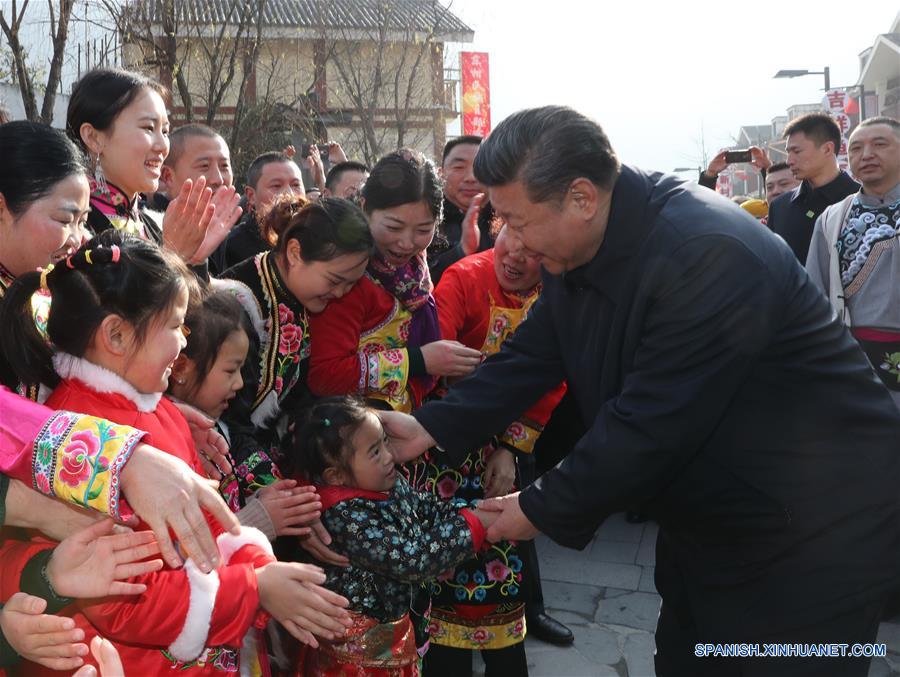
43 484
59 425
291 335
447 487
76 466
499 325
285 314
481 636
393 356
516 431
279 384
497 571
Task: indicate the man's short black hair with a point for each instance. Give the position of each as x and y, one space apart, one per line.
893 123
820 128
547 148
260 161
470 139
179 135
336 172
777 167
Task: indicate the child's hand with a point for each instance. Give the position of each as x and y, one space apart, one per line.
292 593
52 641
91 563
107 658
316 544
499 473
291 508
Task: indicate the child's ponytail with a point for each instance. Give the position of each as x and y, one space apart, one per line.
111 274
26 352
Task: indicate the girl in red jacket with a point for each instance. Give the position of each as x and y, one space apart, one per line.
116 322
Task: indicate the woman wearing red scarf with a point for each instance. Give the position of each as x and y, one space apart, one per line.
382 340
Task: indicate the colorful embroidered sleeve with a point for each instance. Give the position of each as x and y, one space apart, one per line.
521 435
338 365
409 537
73 457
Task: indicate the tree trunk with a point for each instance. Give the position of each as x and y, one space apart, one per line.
59 50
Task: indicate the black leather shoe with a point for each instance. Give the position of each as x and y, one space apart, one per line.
549 630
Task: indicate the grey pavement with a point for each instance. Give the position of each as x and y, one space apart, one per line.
605 594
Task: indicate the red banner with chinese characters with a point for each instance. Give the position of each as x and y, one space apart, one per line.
476 93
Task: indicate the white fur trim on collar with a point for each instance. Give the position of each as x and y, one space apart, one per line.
192 639
248 302
229 543
103 380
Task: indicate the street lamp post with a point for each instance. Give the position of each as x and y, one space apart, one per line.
827 74
799 73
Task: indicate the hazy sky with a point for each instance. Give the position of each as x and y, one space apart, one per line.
652 72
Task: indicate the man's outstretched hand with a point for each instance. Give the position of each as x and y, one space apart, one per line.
408 438
511 524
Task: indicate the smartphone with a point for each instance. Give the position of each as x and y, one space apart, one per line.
733 156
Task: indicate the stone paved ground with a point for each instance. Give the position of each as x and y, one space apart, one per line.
606 595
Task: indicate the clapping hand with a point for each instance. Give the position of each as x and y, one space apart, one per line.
470 238
187 217
227 204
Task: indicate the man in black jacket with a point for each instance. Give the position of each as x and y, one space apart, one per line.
451 241
813 142
721 395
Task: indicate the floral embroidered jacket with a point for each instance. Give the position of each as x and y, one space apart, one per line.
394 540
359 346
274 373
186 620
476 311
39 447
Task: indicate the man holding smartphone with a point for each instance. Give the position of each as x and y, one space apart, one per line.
754 155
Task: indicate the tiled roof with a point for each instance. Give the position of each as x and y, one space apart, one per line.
363 15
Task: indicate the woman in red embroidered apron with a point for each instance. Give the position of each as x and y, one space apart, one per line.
480 605
382 340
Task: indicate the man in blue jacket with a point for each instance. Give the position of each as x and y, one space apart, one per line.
721 394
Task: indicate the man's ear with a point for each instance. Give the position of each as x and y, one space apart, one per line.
167 178
334 477
585 197
250 194
115 335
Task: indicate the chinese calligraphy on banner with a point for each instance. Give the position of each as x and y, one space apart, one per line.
476 93
836 101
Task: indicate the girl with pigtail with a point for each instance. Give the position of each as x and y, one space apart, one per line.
321 250
116 326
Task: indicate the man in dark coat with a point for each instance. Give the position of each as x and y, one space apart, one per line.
812 145
721 394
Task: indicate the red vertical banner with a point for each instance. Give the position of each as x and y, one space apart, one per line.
476 93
